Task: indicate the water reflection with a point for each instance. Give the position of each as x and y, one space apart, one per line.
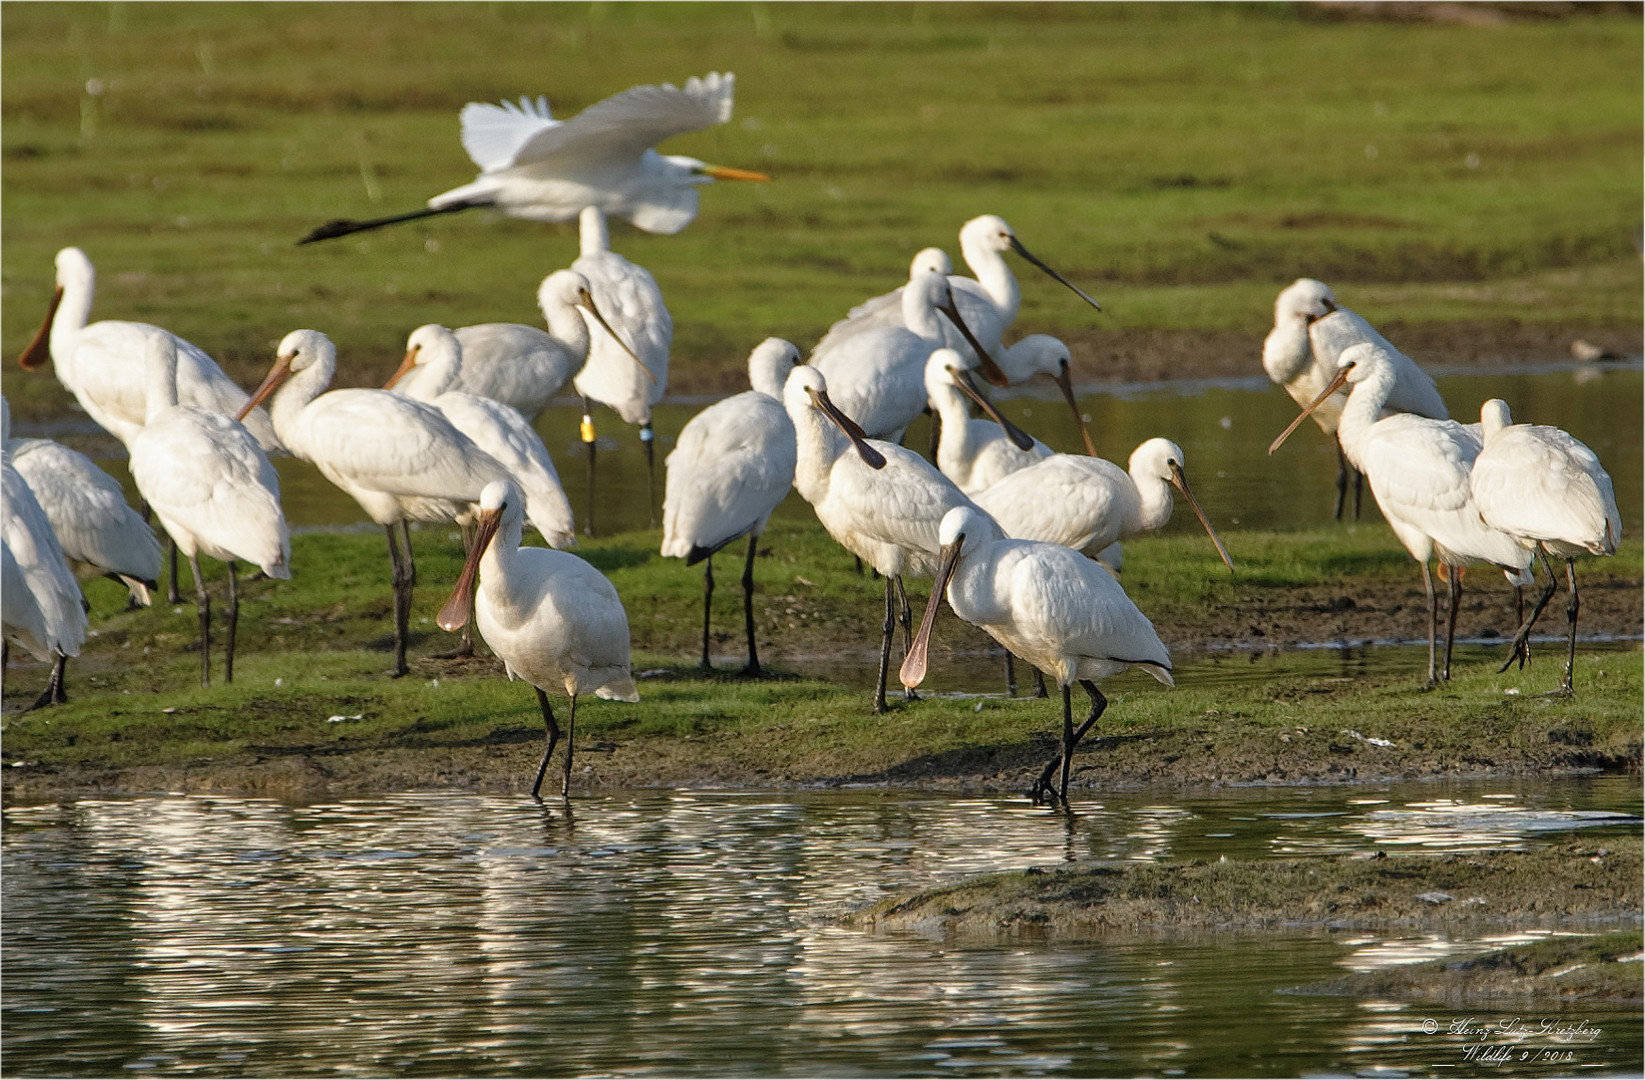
684 933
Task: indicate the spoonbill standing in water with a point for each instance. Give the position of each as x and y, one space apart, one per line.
1548 491
553 619
541 169
400 459
882 502
213 490
1048 604
1300 354
1418 469
635 326
731 466
39 598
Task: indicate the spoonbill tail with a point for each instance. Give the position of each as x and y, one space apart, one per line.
40 603
1300 354
553 619
732 465
1418 469
882 502
213 490
636 326
541 169
1548 491
400 459
1048 604
988 303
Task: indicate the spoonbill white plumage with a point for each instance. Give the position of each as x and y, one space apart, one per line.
636 326
400 459
1418 468
988 303
89 514
212 488
1300 354
1048 604
100 363
878 376
731 466
1548 491
1042 354
40 603
973 453
1088 503
496 428
541 169
520 366
553 619
882 502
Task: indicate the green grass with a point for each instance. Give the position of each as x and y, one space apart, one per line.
1180 161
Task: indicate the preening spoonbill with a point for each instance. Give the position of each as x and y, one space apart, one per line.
520 366
881 502
1548 491
878 376
1300 354
1088 503
498 429
213 490
1418 468
101 363
89 515
635 326
400 459
541 169
553 619
973 453
988 303
1048 604
731 466
40 603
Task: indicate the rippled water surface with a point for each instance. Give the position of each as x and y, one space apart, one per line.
694 933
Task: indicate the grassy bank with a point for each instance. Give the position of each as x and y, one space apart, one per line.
1180 161
312 709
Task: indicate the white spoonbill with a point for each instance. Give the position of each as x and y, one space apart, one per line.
520 366
973 453
1547 490
635 326
1418 469
731 466
1088 503
553 619
101 364
400 459
541 169
882 502
213 490
1300 354
988 302
501 431
878 376
1042 354
40 603
1048 604
89 515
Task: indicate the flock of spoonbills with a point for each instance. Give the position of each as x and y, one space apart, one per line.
1015 535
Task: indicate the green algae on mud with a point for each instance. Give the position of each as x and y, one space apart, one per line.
311 712
1569 886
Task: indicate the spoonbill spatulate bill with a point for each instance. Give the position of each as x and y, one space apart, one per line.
541 169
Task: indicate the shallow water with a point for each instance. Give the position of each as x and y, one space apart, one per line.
1224 429
691 933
